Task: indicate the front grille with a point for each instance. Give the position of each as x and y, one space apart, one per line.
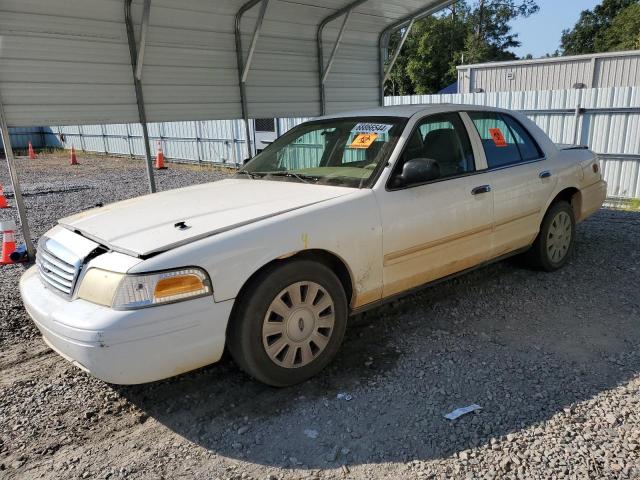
55 272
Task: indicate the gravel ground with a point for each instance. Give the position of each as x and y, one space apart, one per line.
553 360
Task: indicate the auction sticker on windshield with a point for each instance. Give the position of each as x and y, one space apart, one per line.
363 140
371 127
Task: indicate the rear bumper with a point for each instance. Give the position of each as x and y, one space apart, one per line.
128 347
592 198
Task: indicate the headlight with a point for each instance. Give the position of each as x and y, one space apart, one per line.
99 286
125 292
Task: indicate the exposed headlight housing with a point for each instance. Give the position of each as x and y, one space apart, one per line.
127 292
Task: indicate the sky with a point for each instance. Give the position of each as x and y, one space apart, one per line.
540 33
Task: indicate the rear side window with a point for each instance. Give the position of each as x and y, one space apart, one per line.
505 141
527 146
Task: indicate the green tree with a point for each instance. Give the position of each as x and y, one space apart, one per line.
399 82
467 32
624 32
491 37
437 42
589 35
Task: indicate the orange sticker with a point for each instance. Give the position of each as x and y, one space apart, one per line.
498 137
363 140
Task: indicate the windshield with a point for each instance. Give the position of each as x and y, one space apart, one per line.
341 151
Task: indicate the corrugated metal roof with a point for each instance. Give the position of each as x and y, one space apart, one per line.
67 61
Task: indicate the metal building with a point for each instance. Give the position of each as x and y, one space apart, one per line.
602 70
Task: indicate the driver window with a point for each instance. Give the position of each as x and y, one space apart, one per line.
443 138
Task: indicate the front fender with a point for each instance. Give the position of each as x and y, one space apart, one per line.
348 227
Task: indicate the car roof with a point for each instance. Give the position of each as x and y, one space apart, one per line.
408 111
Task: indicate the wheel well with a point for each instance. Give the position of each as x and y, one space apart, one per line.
573 197
330 260
335 263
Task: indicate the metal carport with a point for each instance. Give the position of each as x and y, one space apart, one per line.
115 61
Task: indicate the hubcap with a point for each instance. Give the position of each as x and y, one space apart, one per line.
298 324
559 237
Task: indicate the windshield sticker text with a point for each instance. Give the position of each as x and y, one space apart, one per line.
371 128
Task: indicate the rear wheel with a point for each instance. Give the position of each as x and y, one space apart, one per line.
554 243
289 323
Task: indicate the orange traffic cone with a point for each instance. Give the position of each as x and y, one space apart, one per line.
32 153
160 158
8 230
73 160
3 199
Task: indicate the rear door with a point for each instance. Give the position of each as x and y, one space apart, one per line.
520 176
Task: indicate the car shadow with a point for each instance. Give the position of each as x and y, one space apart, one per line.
525 345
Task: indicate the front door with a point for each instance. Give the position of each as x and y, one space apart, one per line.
440 227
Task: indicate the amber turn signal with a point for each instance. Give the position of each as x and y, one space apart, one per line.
178 285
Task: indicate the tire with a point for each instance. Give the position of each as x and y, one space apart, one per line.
554 244
281 336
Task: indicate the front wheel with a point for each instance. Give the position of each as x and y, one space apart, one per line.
554 243
289 323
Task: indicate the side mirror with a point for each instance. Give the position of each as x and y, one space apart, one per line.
416 171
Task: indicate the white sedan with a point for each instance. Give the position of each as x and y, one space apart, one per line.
337 216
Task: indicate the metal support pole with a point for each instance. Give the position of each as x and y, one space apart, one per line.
81 136
383 39
105 140
198 140
398 49
244 67
336 45
383 51
576 119
322 72
15 183
129 140
234 128
138 88
254 40
144 29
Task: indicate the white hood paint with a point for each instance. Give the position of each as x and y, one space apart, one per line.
145 225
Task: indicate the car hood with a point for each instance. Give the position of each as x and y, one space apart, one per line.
145 225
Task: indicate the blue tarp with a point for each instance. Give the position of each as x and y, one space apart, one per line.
40 137
453 88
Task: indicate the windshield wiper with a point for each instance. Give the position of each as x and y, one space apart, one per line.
302 178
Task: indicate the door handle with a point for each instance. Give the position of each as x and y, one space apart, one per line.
544 174
481 189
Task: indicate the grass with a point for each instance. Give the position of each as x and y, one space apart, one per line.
627 204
